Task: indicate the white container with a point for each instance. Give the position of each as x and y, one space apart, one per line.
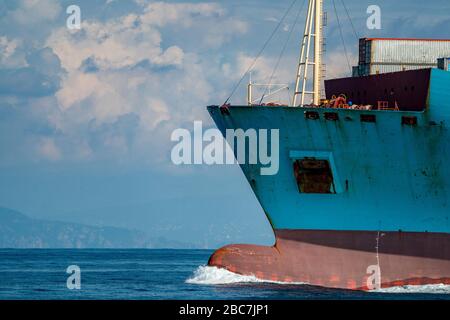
378 56
406 51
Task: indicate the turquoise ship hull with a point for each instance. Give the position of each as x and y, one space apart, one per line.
390 175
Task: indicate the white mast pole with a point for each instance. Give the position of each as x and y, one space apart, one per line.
302 64
314 19
308 51
317 52
250 91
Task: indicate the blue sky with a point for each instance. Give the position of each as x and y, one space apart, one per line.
86 116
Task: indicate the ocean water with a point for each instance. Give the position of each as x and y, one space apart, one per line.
158 274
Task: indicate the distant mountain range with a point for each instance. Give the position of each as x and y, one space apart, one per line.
20 231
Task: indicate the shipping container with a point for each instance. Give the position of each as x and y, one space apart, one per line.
444 64
398 51
393 55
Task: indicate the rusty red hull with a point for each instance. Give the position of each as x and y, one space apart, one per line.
343 259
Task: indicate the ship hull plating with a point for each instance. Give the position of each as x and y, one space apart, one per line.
390 202
343 259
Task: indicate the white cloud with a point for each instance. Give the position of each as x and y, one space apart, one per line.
7 47
161 13
264 67
79 86
218 30
271 19
142 3
10 56
36 11
112 45
218 35
337 66
48 149
125 87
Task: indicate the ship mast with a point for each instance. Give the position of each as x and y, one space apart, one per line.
313 19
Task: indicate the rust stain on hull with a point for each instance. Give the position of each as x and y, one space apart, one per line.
304 256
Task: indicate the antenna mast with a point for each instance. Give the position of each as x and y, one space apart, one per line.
314 18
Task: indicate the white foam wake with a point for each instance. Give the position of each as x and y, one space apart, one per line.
427 289
206 275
